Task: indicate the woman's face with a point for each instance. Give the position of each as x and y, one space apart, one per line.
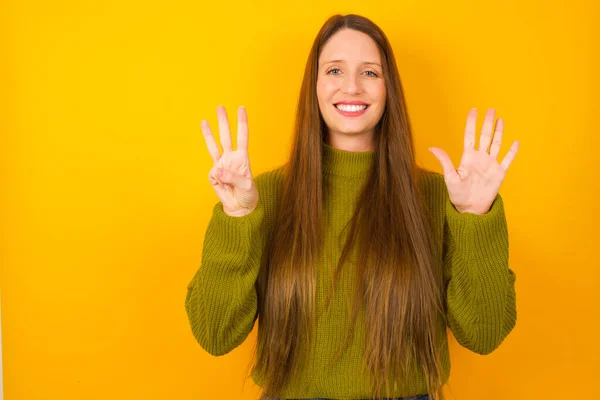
350 72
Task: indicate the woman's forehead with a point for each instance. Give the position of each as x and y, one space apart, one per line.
349 46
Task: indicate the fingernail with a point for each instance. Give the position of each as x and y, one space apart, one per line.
241 106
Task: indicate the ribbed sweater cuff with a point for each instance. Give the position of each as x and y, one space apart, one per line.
230 241
483 237
228 222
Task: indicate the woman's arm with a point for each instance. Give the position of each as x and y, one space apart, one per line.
221 300
480 289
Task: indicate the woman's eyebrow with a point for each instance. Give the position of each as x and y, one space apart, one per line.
364 62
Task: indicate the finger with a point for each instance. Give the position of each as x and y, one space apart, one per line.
444 160
470 129
224 132
497 142
216 183
242 136
211 144
486 130
236 180
217 176
510 156
212 177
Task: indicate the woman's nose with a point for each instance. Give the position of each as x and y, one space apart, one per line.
351 84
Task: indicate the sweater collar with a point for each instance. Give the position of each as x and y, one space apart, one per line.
344 163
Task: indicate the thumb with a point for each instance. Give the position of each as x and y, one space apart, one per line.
444 160
232 179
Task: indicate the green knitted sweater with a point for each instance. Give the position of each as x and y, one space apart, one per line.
221 301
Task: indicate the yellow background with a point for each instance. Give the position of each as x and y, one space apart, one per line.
105 197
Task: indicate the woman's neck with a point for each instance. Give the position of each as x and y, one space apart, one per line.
346 164
356 142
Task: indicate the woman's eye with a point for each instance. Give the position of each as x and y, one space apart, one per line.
337 69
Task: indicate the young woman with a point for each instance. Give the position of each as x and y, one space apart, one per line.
354 259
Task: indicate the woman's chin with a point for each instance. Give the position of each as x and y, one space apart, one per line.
352 130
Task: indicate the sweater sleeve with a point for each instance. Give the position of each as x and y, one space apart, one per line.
221 300
480 291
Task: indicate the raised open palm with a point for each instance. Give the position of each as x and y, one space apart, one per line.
473 186
231 176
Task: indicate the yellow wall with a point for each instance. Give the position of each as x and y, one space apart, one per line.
105 198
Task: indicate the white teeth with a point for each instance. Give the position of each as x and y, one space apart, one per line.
352 108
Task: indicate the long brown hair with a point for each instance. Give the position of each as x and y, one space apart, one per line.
401 279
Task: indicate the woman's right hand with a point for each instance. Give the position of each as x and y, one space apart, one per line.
231 176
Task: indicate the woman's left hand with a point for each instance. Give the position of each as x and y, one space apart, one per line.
473 186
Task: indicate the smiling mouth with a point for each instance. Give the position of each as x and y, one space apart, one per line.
351 111
351 108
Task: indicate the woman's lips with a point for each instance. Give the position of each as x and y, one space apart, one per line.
351 113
